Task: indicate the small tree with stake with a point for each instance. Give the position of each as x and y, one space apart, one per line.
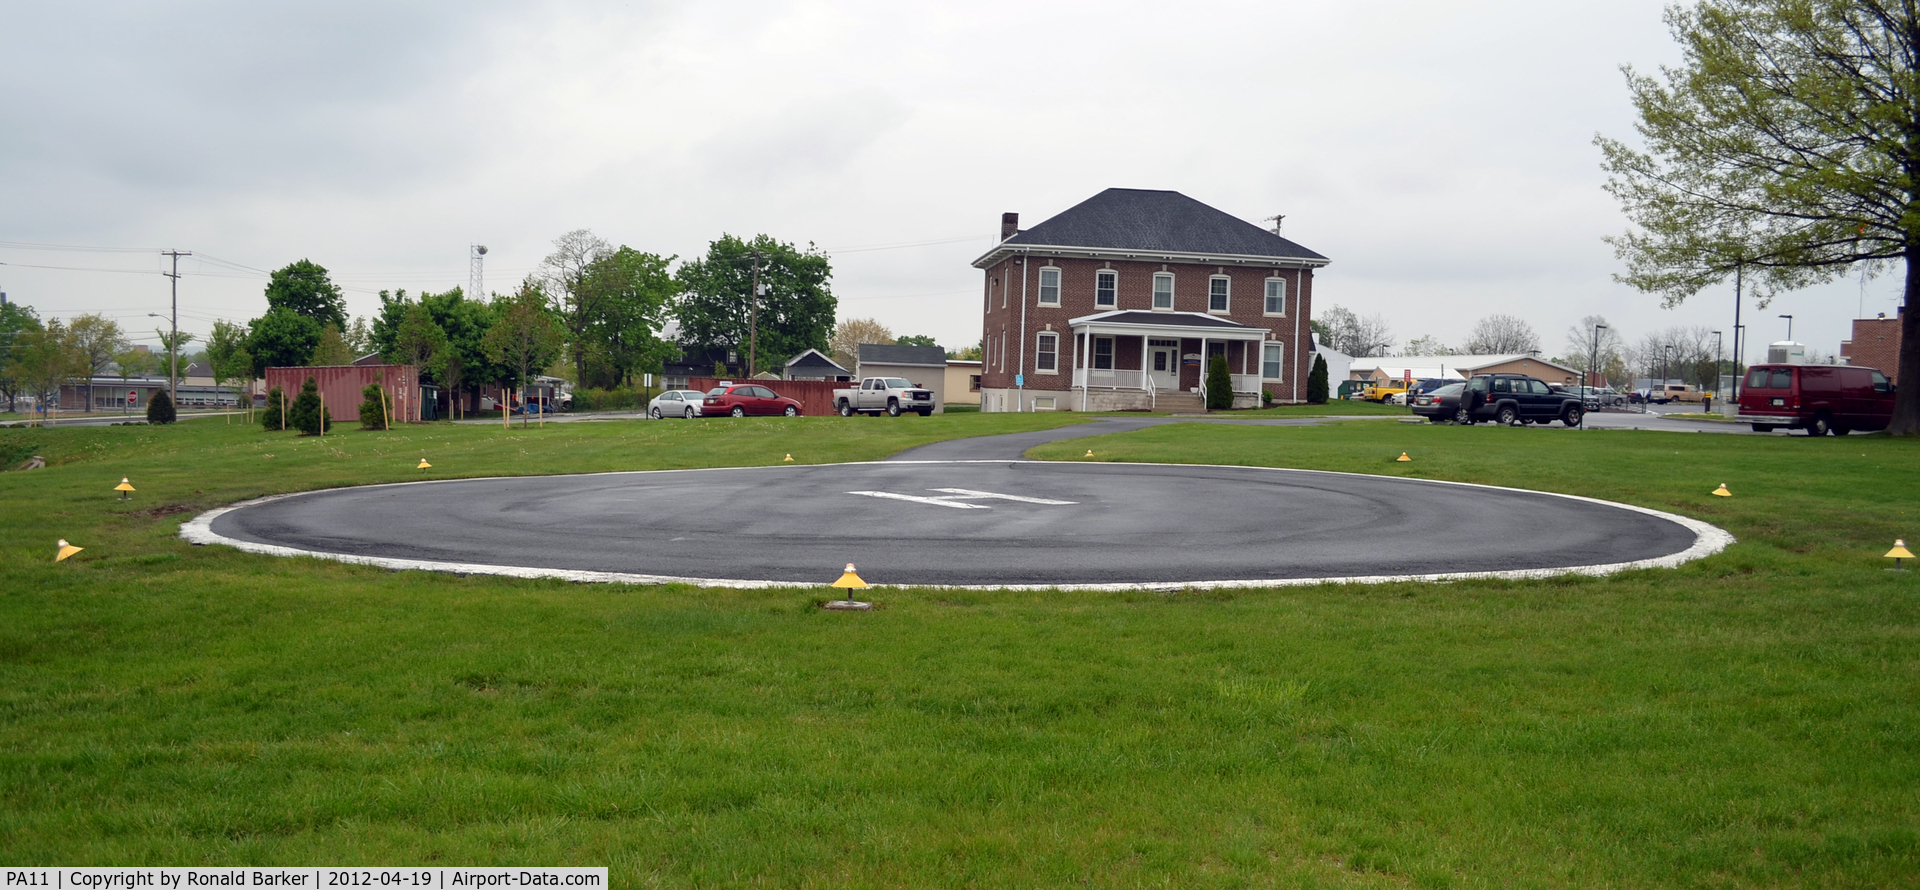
525 337
306 415
274 418
1219 384
373 408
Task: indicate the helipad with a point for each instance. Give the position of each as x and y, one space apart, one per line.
994 523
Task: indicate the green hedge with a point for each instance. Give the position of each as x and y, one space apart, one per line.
606 399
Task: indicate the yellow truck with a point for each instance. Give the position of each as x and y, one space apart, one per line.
1380 392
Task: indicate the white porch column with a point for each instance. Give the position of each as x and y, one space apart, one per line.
1144 340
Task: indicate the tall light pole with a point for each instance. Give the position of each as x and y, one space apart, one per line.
753 322
1592 361
1789 319
1716 365
173 339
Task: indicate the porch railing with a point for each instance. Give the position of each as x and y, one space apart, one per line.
1117 379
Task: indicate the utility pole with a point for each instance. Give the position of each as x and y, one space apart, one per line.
173 338
753 320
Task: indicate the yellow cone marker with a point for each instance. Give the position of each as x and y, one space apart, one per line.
423 464
66 550
1089 452
1402 458
1722 491
850 580
788 459
1899 552
124 487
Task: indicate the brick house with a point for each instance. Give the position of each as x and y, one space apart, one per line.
1119 301
1875 344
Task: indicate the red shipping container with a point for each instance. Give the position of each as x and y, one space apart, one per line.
340 387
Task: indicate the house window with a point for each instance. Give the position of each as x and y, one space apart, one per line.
1049 287
1106 289
1276 296
1217 293
1046 354
1103 353
1163 291
1270 355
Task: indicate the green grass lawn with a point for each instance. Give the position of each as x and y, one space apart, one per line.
1747 720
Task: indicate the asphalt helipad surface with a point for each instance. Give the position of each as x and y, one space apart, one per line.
995 523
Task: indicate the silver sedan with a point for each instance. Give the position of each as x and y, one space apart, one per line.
676 403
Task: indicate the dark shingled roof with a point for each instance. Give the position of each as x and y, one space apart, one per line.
813 359
1154 220
891 354
1181 319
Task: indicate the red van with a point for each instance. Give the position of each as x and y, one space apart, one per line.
1820 399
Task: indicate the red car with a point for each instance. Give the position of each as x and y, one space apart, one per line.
742 399
1820 399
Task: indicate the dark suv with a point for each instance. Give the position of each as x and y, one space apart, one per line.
1515 398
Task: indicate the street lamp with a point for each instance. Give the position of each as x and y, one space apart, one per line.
1592 360
1716 366
1789 319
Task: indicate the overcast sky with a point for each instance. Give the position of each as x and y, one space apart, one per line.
1439 152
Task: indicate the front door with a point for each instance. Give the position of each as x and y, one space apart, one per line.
1163 363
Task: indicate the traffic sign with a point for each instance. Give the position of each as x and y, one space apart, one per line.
133 395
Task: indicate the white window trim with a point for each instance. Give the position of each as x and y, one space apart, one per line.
1173 293
1277 344
1093 356
1037 339
1283 299
1040 286
1097 305
1210 280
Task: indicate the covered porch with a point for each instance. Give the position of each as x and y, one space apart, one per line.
1132 359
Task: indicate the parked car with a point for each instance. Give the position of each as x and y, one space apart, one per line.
894 395
1440 405
676 403
1594 397
743 399
1820 399
1508 399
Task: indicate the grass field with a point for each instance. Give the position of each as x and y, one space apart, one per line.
1747 720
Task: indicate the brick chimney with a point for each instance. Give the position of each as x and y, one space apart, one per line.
1009 225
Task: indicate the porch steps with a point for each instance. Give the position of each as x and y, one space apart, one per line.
1179 402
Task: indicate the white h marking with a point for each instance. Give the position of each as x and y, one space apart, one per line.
957 498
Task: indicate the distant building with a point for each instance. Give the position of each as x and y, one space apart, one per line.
815 365
1875 344
1379 369
925 366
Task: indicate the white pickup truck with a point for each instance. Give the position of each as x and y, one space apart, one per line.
893 395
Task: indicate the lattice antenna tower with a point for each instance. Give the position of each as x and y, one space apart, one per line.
1276 220
476 272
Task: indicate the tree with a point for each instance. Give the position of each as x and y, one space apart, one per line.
274 418
304 289
307 414
563 275
915 340
15 321
627 295
967 353
359 337
1317 381
525 336
1219 384
794 310
98 339
373 408
1426 344
1502 335
282 338
421 343
174 366
232 364
465 323
44 358
1582 346
160 410
849 334
332 348
1784 150
1353 335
